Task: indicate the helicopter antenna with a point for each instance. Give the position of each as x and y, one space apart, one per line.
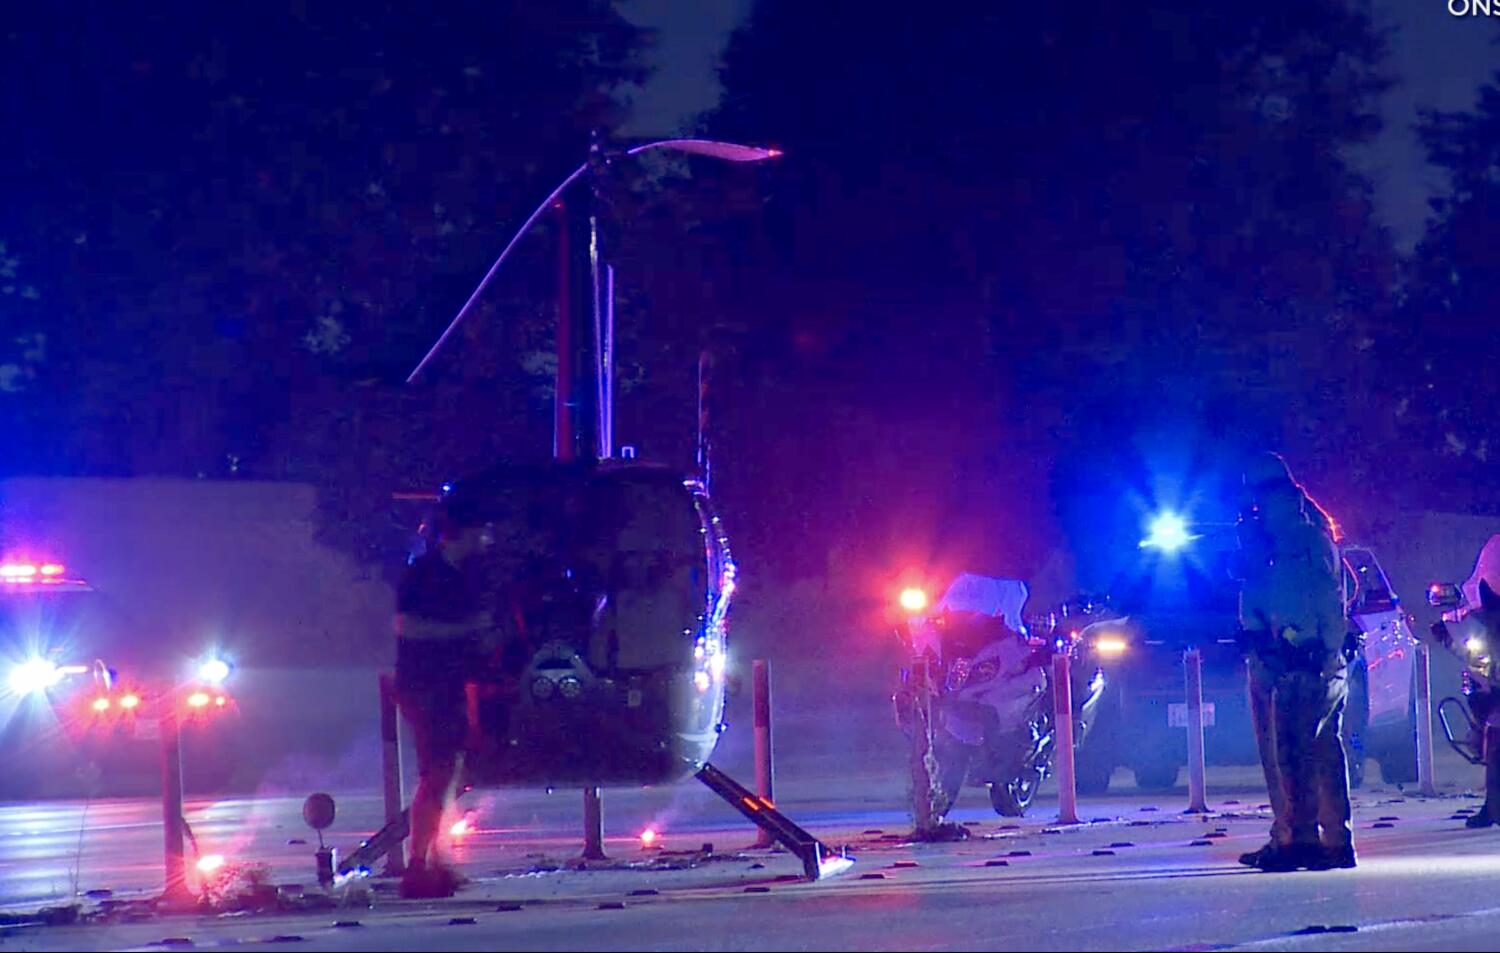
705 466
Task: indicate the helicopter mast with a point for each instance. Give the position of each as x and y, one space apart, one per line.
584 392
705 467
564 445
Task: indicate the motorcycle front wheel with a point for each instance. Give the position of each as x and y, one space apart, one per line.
1011 798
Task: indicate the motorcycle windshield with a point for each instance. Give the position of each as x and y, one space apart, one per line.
1487 568
1001 598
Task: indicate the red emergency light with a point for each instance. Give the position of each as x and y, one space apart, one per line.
200 703
116 704
24 572
913 600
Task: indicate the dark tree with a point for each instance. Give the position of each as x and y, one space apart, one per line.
1445 346
1010 232
241 226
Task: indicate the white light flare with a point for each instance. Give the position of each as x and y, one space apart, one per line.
213 670
1168 532
913 600
34 675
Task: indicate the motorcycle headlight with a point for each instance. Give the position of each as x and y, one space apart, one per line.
1478 651
1111 646
958 675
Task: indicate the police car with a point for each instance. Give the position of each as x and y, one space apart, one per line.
1171 608
78 724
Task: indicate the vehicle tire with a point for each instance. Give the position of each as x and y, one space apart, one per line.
1398 756
1356 761
1356 725
1157 775
1092 775
1011 798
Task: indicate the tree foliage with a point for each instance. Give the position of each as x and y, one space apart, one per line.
1444 344
244 224
1009 235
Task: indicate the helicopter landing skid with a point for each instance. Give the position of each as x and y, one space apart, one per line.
818 860
382 842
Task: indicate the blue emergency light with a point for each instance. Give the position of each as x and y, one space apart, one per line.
1168 533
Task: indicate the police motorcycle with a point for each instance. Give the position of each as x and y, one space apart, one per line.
1470 627
975 699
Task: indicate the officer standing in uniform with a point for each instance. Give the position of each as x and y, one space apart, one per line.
1294 627
440 632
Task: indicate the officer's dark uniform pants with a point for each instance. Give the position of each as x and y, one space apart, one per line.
1485 706
1298 716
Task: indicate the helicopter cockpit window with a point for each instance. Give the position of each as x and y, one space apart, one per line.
644 539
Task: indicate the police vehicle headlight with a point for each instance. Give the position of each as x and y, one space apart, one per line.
1474 645
214 670
542 688
34 675
570 687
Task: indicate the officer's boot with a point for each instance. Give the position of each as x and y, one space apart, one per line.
1490 813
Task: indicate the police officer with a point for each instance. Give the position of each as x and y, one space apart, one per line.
440 629
1293 622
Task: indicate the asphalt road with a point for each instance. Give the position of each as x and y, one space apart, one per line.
1139 875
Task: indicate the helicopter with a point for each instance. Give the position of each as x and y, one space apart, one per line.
614 575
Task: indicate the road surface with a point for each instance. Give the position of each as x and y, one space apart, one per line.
1139 875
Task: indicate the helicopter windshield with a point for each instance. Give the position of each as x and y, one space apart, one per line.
612 561
643 541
